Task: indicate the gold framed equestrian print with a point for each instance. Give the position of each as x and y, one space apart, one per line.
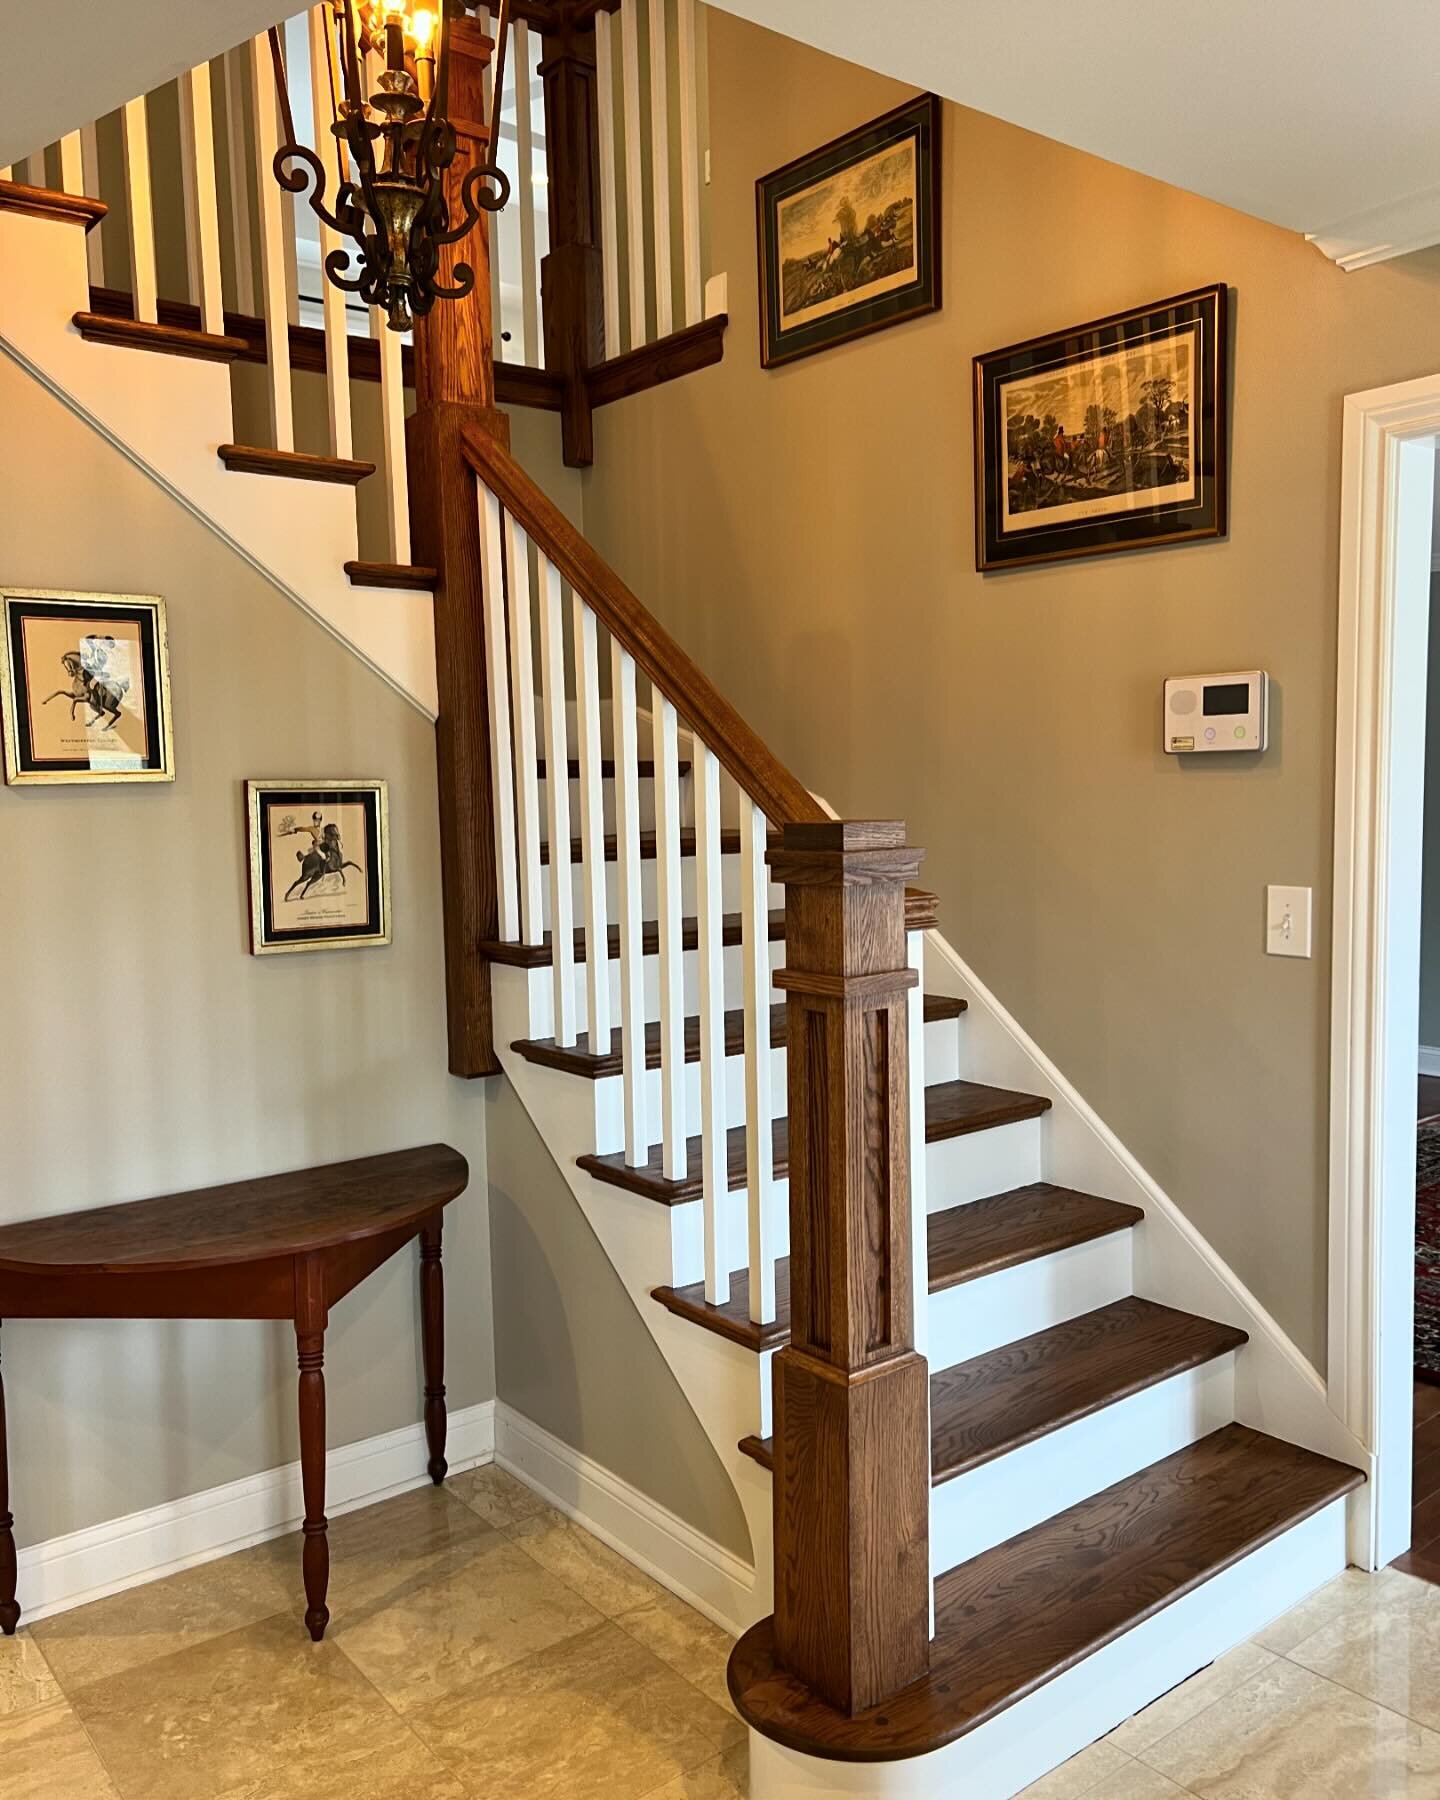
84 687
319 865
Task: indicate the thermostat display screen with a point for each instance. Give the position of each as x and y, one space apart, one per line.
1234 697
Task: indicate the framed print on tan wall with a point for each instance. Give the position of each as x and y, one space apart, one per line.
84 687
319 855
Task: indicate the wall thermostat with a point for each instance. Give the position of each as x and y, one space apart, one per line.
1216 712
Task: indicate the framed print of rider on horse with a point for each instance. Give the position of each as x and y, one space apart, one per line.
84 687
850 235
1108 436
319 865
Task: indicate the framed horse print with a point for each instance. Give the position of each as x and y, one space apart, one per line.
319 865
84 687
1106 436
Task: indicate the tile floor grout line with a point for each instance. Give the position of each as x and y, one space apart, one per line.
1359 1693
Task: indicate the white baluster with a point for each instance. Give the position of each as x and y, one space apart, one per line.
238 159
609 233
632 966
592 830
672 954
72 178
919 1221
525 153
759 1095
714 1161
497 682
90 184
337 330
660 168
689 77
276 309
142 214
392 415
197 144
522 688
634 170
557 797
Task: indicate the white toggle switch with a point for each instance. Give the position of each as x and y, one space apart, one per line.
1287 921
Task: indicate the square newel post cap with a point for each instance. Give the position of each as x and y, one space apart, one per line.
844 852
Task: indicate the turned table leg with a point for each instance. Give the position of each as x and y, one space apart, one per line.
9 1611
310 1340
432 1331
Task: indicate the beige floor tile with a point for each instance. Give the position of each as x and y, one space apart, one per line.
1140 1783
261 1714
1289 1735
608 1582
1085 1774
382 1550
1349 1595
726 1778
25 1678
496 1496
684 1639
145 1623
457 1619
1193 1696
595 1718
1389 1651
45 1755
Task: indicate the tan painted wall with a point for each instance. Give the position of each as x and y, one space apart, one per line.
808 536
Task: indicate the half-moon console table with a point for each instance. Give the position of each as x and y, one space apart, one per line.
281 1247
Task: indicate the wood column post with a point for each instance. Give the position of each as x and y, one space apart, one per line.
852 1453
455 389
432 1336
9 1562
570 275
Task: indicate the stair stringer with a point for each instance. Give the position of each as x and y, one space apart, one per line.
169 415
1277 1389
722 1383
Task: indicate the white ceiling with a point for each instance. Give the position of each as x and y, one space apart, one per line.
1320 115
70 61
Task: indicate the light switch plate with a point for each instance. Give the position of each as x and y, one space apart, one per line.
1287 921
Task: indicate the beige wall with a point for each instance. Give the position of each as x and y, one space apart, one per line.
143 1050
807 534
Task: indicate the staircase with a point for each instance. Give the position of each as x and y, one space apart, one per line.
1114 1494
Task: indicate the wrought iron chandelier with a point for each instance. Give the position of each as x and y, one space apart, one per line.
393 146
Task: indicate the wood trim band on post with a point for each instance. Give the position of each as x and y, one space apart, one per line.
851 1392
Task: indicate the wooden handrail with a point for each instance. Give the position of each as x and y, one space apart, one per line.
783 799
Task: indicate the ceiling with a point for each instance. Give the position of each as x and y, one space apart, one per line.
1319 115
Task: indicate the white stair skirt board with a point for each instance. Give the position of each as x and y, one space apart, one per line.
169 414
998 1309
144 1546
1009 1494
1038 1733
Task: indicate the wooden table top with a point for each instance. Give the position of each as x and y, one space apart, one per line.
242 1221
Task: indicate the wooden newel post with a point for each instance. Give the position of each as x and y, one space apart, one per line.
852 1464
455 389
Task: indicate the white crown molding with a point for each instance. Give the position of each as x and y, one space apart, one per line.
1381 232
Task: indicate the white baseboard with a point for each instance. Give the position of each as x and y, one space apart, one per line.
1429 1059
703 1573
144 1546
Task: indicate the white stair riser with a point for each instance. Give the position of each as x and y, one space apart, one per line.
981 1315
542 988
980 1163
649 888
1008 1495
607 786
687 1244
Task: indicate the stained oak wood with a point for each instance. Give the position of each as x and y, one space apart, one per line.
299 465
951 1108
45 203
577 1058
539 956
745 756
418 576
1018 1616
169 340
964 1242
683 352
994 1403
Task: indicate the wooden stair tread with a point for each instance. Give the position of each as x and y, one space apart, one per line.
540 956
170 340
951 1107
1013 1395
392 575
46 203
256 459
577 1059
966 1241
1019 1615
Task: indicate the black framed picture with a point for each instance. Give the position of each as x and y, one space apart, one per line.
1106 436
850 235
319 865
84 687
